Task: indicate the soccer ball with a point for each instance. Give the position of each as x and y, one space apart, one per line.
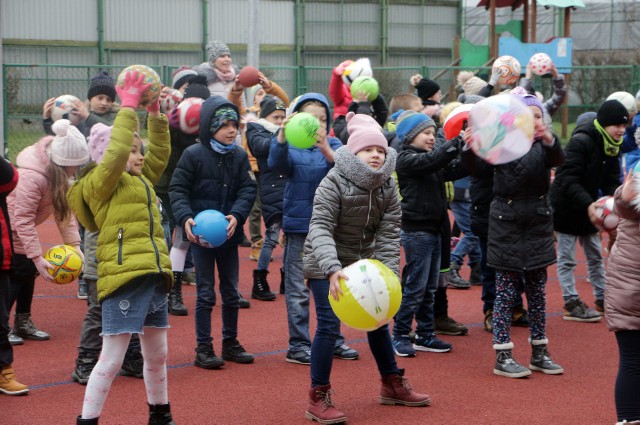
67 263
62 105
189 115
370 298
509 68
151 94
608 219
170 100
540 63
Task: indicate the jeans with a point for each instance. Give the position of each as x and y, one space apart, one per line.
627 396
420 281
205 260
592 246
270 241
6 351
469 244
328 332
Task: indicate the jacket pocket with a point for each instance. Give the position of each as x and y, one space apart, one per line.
120 237
502 215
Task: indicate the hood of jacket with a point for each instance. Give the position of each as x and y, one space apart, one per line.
206 114
350 166
35 157
314 96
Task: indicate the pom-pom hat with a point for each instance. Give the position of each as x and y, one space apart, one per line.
98 141
364 132
69 147
102 84
181 76
410 123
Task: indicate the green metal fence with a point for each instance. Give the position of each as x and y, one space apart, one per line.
27 87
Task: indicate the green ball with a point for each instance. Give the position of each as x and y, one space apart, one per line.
300 131
366 84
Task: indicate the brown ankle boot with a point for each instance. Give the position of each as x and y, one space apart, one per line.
8 383
321 408
397 390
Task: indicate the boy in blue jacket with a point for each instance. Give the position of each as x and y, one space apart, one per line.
215 174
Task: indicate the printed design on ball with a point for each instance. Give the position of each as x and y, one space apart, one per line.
66 261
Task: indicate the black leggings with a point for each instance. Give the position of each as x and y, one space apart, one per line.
628 380
23 281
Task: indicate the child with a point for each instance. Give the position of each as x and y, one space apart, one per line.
8 383
116 198
422 170
356 214
271 187
521 245
45 170
219 70
430 94
304 169
215 174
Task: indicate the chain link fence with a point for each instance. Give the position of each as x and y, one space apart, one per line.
27 87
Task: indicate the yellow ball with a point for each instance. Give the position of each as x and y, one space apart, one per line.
67 263
371 296
151 94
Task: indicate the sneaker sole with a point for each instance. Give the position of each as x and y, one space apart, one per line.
459 286
546 371
393 401
404 354
451 333
312 418
261 298
21 392
178 312
431 350
346 358
239 361
206 366
82 297
512 375
579 319
294 361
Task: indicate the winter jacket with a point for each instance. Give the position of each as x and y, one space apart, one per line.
587 174
520 218
421 177
622 291
30 202
356 215
377 109
551 105
340 94
207 180
271 183
8 182
304 169
123 206
216 86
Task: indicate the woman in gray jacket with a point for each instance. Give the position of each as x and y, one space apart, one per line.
356 215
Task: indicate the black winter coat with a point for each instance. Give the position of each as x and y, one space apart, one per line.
520 218
480 191
587 174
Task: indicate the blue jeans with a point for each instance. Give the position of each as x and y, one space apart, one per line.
469 244
205 260
328 332
592 246
270 241
420 281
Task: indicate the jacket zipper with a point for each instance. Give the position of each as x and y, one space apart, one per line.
368 217
120 231
153 242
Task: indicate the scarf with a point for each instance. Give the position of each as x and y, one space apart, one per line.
225 77
611 146
220 148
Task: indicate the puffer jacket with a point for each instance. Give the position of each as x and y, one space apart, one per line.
622 290
207 180
356 215
520 217
30 202
587 174
123 207
216 86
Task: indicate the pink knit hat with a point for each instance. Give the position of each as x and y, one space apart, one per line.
364 131
98 141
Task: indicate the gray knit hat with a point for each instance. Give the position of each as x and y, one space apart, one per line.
217 48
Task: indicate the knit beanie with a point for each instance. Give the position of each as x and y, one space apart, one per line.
270 104
410 123
102 84
221 116
528 99
364 131
470 83
98 141
612 112
216 49
626 99
197 87
181 75
426 88
69 147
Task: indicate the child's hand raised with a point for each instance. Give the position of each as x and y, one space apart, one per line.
263 81
47 108
154 107
334 284
80 110
132 89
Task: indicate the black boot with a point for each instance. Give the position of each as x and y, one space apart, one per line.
455 280
25 329
541 359
475 278
176 305
281 280
261 290
160 414
80 421
506 365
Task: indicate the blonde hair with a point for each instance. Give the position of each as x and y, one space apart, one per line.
447 109
403 101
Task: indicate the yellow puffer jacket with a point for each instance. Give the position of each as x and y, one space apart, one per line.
123 207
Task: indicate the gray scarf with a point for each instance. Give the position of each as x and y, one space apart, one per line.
350 166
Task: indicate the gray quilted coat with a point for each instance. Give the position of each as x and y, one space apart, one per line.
356 215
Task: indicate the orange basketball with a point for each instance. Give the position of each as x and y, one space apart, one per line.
248 76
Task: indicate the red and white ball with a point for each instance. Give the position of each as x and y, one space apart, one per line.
189 115
605 208
509 68
170 100
540 63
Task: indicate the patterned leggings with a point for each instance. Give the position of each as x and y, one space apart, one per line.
507 284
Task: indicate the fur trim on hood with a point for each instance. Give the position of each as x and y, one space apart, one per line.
360 173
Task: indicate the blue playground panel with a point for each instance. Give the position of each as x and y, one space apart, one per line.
559 49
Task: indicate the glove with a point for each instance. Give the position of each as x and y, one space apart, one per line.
495 76
131 91
43 266
340 68
154 107
174 118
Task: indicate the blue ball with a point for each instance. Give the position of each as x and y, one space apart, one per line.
210 228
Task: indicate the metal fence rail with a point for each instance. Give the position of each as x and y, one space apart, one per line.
27 87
